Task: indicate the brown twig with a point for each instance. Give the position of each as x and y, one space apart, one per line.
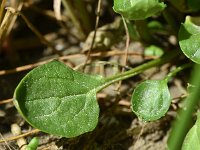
57 9
5 142
68 6
39 35
3 2
126 50
103 54
6 101
18 7
95 30
127 41
19 136
10 13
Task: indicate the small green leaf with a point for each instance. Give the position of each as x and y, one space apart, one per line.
138 9
151 99
192 139
189 37
155 25
33 144
58 100
153 50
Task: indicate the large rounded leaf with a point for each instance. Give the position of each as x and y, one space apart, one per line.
151 99
58 100
189 37
138 9
192 139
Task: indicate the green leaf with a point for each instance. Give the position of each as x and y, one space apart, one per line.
151 99
33 144
192 139
153 50
189 37
58 100
155 25
138 9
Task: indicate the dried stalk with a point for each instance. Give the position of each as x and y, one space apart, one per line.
10 13
2 9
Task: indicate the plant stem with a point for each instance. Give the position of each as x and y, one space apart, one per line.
39 35
182 125
137 70
68 6
134 35
95 30
143 30
175 71
84 16
171 21
2 9
10 13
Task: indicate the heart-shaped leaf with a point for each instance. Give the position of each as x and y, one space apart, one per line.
138 9
151 99
192 139
58 100
189 37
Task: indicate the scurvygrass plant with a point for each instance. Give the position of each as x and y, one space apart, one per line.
61 101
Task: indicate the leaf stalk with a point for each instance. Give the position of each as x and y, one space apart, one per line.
135 71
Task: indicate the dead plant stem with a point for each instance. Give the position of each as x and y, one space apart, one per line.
2 9
19 136
6 101
67 5
31 66
18 7
39 35
6 23
5 142
95 30
126 50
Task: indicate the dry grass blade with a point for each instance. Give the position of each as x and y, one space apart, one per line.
95 30
6 101
39 35
10 13
19 6
68 6
57 9
2 9
19 136
5 142
100 54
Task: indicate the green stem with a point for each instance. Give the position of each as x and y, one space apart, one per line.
171 21
176 70
68 6
182 125
137 70
83 15
143 30
132 30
